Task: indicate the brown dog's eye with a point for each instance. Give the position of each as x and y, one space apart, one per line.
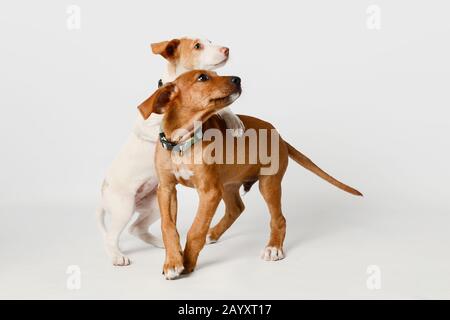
203 77
197 46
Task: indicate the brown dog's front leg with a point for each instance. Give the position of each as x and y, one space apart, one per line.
196 238
167 198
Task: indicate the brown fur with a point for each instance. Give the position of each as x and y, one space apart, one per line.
178 51
186 100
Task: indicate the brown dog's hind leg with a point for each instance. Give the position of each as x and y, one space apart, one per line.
270 187
196 238
233 209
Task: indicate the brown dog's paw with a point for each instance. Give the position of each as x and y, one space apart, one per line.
188 270
173 268
171 273
189 265
272 254
210 239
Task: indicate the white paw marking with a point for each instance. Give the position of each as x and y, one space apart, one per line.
209 240
120 260
272 254
173 273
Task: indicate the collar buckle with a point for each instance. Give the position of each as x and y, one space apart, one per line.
180 147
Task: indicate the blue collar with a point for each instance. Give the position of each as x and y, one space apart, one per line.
180 147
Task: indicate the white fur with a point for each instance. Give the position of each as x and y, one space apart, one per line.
183 173
210 240
211 56
272 254
129 186
131 181
233 122
173 273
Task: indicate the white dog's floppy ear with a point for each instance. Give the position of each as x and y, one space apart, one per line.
168 49
159 101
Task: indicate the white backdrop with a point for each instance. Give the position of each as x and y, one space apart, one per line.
369 106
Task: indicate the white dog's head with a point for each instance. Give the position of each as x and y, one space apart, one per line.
191 54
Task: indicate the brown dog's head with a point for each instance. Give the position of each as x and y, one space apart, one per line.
193 96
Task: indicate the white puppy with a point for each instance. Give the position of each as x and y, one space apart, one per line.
130 183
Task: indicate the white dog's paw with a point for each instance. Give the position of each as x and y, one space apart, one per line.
237 133
210 240
235 124
173 273
120 260
272 254
237 127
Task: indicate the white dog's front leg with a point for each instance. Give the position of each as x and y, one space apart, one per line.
232 121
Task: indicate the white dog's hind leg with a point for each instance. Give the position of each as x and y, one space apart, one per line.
148 210
121 209
100 213
140 229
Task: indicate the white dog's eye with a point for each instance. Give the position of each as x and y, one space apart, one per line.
203 77
197 46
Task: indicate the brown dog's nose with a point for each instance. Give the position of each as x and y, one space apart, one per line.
236 81
225 51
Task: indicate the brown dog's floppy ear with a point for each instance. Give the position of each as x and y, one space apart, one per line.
168 49
158 102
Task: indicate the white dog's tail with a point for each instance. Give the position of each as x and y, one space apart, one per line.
100 212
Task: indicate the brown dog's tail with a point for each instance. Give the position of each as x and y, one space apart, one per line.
304 161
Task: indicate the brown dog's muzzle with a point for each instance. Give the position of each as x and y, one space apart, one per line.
236 82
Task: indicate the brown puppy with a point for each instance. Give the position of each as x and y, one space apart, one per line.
196 96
